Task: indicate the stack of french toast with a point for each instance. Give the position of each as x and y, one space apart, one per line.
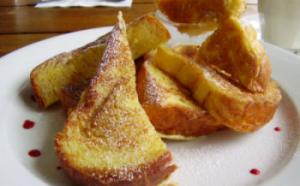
128 89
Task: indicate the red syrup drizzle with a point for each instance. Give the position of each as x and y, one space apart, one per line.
34 153
277 129
255 172
28 124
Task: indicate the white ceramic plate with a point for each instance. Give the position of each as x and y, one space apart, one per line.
224 158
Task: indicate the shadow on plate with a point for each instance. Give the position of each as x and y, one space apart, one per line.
50 121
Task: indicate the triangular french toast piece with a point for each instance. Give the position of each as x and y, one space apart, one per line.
234 51
230 104
48 78
169 106
108 138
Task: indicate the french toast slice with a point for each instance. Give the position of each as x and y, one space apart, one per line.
169 108
50 77
108 138
234 51
196 11
230 104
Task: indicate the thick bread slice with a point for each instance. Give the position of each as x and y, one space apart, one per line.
233 106
50 77
108 138
196 11
235 51
170 109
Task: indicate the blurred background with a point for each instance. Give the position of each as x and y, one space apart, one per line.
21 23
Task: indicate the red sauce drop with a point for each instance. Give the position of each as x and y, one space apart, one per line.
58 167
277 129
28 124
255 171
32 98
34 153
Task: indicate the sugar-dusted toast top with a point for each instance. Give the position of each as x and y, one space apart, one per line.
108 139
170 107
162 89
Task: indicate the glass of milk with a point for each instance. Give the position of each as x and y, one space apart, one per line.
280 22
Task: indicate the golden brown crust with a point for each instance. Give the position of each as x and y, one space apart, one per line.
149 174
245 116
260 108
36 91
234 51
146 33
195 11
180 117
175 120
237 108
46 88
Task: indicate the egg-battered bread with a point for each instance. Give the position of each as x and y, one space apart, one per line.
50 77
234 51
229 103
108 138
169 106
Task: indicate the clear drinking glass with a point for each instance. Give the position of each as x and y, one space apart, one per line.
280 23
